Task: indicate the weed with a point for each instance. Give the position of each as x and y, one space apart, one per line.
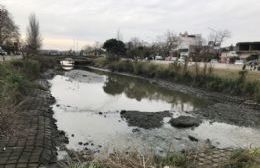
242 158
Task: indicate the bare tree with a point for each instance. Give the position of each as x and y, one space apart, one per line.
217 37
166 43
34 41
8 29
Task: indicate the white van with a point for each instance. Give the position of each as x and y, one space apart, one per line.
158 57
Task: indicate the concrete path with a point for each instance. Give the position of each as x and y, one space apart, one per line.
211 158
33 143
10 57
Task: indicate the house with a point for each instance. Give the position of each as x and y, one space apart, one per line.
247 49
228 55
187 44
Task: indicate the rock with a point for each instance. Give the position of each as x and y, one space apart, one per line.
92 144
100 113
100 146
185 122
192 138
123 112
62 133
86 144
72 135
80 143
146 120
57 105
135 130
178 138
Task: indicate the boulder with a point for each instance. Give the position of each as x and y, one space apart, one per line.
185 122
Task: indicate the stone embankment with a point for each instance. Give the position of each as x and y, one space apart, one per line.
34 141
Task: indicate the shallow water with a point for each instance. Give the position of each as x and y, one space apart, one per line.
82 95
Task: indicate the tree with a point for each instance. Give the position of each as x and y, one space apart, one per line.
165 43
8 30
33 40
137 48
217 37
115 48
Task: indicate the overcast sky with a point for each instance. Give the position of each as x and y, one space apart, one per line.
87 21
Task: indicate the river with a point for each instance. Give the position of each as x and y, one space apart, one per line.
89 104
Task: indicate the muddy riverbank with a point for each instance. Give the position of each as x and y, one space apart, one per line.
104 111
229 109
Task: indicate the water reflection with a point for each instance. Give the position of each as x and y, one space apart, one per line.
139 89
82 95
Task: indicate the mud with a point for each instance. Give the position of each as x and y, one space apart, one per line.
146 120
223 108
231 114
185 122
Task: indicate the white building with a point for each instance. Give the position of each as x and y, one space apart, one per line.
186 44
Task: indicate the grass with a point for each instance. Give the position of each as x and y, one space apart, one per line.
16 78
240 158
233 74
206 77
132 160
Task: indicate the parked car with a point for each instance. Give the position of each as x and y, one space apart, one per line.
158 57
239 62
171 58
181 61
213 61
2 52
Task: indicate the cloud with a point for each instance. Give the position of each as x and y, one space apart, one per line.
92 20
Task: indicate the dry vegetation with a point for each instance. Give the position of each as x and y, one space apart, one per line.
240 158
240 83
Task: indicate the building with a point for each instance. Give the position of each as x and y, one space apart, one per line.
186 44
228 57
247 49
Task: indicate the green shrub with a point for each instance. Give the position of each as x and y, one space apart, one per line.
251 88
46 63
15 77
101 62
29 68
138 68
13 86
162 72
150 70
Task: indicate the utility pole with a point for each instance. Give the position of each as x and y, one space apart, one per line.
119 35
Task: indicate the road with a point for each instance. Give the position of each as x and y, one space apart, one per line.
10 57
214 65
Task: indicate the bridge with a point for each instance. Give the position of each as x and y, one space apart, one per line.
79 60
